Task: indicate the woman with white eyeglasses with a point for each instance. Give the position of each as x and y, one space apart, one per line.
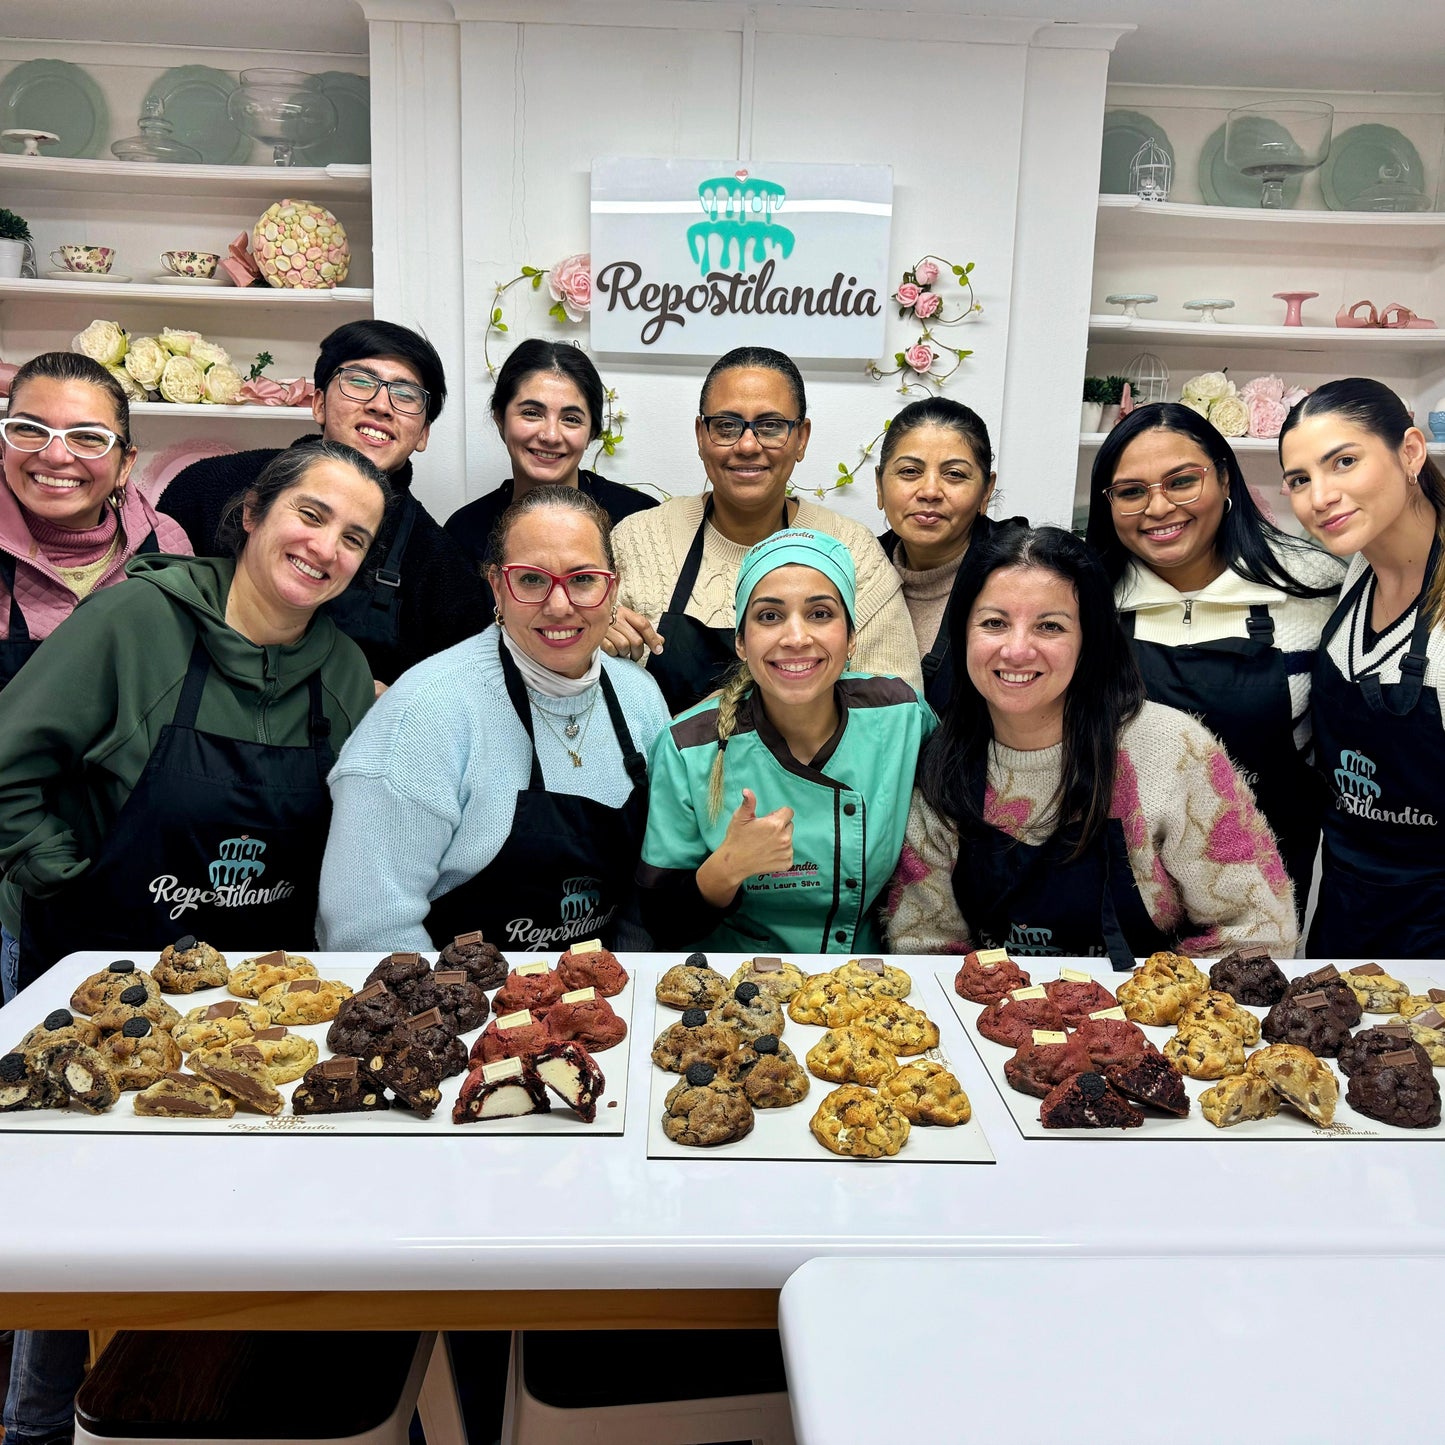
680 560
68 520
501 785
1224 610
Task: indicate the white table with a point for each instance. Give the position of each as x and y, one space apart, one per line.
1050 1351
489 1231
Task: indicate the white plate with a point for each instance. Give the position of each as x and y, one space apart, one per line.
784 1133
351 969
1287 1124
86 276
169 278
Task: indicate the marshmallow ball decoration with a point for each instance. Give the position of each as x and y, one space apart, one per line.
302 245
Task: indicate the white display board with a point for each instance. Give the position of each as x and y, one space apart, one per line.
1285 1126
783 1134
350 969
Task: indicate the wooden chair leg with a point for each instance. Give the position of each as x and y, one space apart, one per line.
438 1406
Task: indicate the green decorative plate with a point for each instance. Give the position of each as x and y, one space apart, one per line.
350 143
1364 156
57 96
1125 133
1222 185
194 99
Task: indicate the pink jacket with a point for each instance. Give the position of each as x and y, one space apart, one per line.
44 599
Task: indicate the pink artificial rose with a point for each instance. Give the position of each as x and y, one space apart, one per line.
907 294
1269 388
925 273
1293 397
570 282
919 358
928 302
1266 416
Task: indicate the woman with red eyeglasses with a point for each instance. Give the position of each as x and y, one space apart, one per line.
424 843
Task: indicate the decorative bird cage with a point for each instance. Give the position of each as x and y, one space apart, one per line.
1148 379
1151 172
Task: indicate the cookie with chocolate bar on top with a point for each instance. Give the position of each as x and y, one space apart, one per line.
772 975
873 977
338 1086
479 960
305 1000
253 976
364 1019
1376 991
240 1073
211 1025
184 1096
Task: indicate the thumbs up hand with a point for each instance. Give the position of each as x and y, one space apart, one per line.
754 843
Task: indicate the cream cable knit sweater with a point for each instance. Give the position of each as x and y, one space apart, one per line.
652 545
926 595
1203 858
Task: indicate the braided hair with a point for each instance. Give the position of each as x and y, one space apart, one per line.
739 683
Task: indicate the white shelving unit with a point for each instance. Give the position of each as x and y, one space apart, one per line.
179 410
355 299
1371 342
20 175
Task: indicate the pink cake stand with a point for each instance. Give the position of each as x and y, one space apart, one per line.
1293 301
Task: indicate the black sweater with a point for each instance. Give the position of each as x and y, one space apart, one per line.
441 600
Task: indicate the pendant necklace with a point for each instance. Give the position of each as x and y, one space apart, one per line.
570 732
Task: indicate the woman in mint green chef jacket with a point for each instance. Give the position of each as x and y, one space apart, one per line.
778 807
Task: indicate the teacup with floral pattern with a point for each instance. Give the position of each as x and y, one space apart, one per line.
196 264
85 260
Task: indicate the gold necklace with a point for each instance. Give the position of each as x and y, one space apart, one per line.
570 731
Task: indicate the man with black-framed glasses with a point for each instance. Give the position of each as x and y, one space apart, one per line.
379 388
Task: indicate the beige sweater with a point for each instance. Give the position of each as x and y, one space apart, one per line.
926 595
652 545
1203 858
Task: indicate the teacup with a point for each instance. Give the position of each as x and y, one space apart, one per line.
87 260
199 264
1437 425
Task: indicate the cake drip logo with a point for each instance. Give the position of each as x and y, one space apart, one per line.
1035 942
234 874
740 233
1357 792
581 913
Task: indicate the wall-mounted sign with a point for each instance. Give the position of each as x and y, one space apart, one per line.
695 257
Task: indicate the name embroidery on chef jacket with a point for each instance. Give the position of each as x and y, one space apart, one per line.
800 876
580 909
234 881
1358 793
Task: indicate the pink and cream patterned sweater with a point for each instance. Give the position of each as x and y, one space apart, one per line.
1203 856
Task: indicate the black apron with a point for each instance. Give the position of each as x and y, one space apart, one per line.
370 613
18 646
1239 689
1380 749
1032 899
568 864
695 658
221 838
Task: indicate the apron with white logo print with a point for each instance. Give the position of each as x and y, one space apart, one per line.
221 839
1382 755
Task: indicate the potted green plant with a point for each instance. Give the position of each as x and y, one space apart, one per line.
1113 395
14 238
1096 389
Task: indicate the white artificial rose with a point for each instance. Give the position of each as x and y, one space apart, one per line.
223 383
1208 386
1202 407
1229 416
178 343
206 353
134 391
145 361
102 341
182 381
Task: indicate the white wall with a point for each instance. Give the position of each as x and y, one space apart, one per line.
945 101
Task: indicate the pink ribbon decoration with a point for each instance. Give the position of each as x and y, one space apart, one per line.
265 392
7 375
239 265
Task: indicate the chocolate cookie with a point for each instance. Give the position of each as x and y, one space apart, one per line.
589 965
1036 1068
693 984
694 1038
1151 1080
410 1069
703 1110
338 1086
462 1003
1339 995
988 976
402 973
1249 976
1087 1102
478 959
1397 1089
1010 1021
1367 1045
363 1019
431 1031
1309 1020
187 965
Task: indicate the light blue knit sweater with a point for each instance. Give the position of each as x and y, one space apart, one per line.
425 788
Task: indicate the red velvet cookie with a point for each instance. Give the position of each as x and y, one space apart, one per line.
1036 1068
589 1021
535 992
1112 1041
597 969
1077 1000
988 982
1010 1021
518 1043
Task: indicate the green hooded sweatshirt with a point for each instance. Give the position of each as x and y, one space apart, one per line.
80 720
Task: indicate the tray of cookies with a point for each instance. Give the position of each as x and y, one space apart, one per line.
773 1061
1249 1049
280 1043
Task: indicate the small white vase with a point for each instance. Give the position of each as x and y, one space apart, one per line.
1089 415
1109 416
12 258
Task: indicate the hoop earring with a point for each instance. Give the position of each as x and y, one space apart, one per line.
117 497
614 614
1228 503
497 613
1415 480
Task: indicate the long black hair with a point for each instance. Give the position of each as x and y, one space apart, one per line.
1247 543
1374 408
1105 693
